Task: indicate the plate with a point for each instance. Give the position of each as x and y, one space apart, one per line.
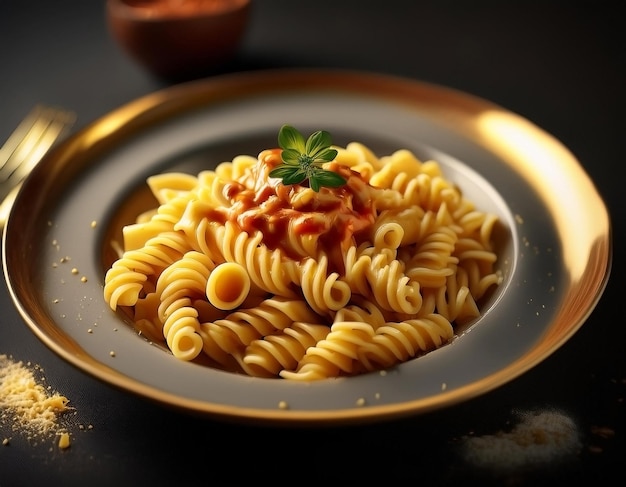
554 248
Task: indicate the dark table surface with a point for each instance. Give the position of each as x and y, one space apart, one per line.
559 64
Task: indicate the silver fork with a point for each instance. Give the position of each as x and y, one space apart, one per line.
25 147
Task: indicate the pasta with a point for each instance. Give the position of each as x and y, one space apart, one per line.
236 270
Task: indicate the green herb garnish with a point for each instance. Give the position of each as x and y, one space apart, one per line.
303 160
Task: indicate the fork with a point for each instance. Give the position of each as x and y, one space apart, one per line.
25 147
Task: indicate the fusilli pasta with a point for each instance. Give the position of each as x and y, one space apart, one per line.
235 269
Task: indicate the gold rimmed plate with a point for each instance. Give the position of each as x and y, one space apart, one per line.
554 242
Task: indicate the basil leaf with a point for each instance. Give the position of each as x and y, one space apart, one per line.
303 160
295 177
291 157
282 171
329 178
317 142
326 155
290 138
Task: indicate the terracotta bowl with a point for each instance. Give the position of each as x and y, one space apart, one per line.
177 38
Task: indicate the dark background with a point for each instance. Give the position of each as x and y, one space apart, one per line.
559 64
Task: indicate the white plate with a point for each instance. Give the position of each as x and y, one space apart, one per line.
555 250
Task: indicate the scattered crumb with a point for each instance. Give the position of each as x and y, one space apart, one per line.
603 431
595 449
6 441
94 223
360 401
444 386
283 405
83 279
112 353
64 440
600 434
31 408
540 438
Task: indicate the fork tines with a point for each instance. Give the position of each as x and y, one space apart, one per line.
32 138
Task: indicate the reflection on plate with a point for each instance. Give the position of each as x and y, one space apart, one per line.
554 252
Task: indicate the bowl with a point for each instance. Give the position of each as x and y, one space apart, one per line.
178 38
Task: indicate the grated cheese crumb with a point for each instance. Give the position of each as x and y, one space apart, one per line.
64 440
25 402
541 437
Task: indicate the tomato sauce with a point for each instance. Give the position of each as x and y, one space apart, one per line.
335 215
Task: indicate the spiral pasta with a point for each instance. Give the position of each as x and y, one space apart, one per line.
234 269
283 350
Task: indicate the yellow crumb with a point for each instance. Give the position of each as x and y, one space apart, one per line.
25 400
64 441
540 438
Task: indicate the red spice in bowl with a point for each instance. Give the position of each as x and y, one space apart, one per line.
176 38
